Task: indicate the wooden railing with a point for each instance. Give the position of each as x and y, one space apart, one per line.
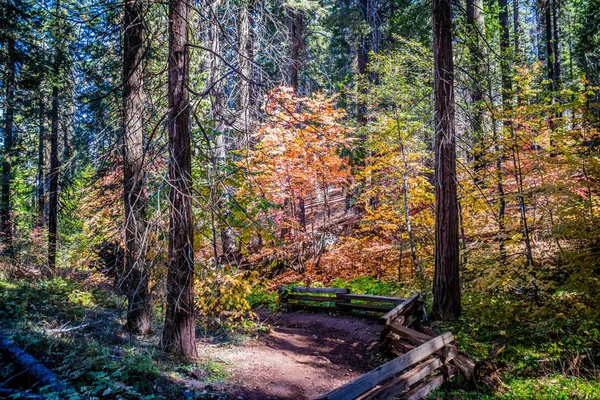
402 374
423 362
339 300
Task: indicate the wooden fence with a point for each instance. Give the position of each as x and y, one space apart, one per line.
423 362
339 300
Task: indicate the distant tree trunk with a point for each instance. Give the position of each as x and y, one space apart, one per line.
362 62
139 308
507 87
5 207
407 220
245 63
446 287
549 46
54 164
556 41
516 30
178 335
476 28
220 189
296 30
41 176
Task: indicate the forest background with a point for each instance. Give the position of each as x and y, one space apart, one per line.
311 161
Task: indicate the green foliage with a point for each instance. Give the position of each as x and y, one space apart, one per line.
261 297
59 298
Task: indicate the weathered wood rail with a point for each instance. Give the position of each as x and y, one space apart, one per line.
339 300
423 362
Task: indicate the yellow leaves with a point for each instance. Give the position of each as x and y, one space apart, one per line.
223 293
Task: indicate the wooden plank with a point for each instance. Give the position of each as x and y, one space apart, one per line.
366 382
364 307
416 337
368 297
419 338
302 289
399 345
399 384
399 310
298 306
425 388
310 298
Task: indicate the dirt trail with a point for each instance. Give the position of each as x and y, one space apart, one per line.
303 356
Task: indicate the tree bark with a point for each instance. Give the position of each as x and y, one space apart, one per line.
5 206
136 275
296 30
507 87
476 28
54 163
41 175
245 61
362 62
446 287
549 45
178 335
556 42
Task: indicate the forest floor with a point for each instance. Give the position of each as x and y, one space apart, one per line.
303 355
78 333
74 326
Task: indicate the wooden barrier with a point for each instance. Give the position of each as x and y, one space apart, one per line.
372 380
338 300
423 362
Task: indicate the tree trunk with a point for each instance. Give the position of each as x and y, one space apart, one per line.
178 335
54 164
245 62
556 42
296 30
516 30
507 87
362 62
41 176
139 308
476 28
5 207
549 45
446 287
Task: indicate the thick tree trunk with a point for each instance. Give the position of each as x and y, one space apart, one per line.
136 275
5 206
41 175
54 164
178 336
446 287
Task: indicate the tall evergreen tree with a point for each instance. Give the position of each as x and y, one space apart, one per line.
178 335
136 271
446 286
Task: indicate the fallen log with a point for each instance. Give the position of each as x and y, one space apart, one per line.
18 394
31 365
